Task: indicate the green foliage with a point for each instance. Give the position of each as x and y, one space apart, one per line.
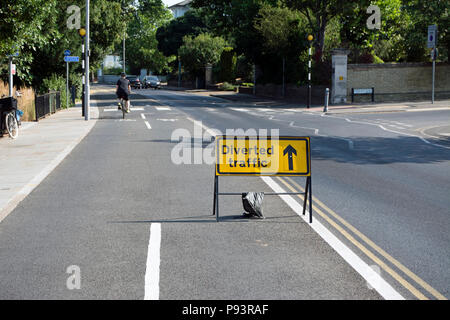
422 14
142 45
170 36
112 70
276 26
227 87
55 83
227 65
75 80
234 21
196 53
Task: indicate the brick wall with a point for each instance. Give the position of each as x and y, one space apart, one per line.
397 82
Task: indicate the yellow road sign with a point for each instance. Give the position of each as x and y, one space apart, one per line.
284 156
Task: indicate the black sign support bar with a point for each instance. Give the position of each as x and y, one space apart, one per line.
306 200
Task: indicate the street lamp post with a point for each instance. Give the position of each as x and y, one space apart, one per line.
11 83
82 33
86 97
310 38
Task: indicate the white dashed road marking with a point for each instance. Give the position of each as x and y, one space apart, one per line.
153 262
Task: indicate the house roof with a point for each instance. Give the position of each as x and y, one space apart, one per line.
181 4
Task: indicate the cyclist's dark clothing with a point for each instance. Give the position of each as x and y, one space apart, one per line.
122 90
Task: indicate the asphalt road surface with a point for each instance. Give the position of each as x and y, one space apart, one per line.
138 225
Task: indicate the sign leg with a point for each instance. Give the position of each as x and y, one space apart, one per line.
217 199
310 201
215 195
306 195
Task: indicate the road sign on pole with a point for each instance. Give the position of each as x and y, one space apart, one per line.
71 59
432 43
67 52
432 36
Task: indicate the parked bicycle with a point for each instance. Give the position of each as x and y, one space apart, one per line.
10 116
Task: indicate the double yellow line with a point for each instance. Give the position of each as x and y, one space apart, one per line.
317 208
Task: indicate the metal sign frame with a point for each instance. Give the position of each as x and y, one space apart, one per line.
308 188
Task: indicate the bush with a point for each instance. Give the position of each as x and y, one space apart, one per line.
227 65
113 70
55 83
227 87
75 80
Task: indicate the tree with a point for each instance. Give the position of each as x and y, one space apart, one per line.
279 29
357 36
25 26
196 53
234 21
142 43
422 14
170 35
319 13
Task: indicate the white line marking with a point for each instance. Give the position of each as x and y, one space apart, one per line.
389 130
109 110
148 125
211 132
153 262
372 277
162 108
426 109
143 116
137 109
240 109
170 120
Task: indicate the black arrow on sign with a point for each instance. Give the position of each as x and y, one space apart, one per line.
290 150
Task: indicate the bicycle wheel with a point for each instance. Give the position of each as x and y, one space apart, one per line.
11 125
123 109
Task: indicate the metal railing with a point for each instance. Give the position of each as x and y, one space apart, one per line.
47 104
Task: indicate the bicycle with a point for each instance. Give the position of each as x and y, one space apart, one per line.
10 116
122 106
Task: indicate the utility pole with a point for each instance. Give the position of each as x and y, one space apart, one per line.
179 72
86 97
11 83
310 38
67 84
124 66
82 33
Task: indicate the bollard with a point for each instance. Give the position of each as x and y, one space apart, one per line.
327 95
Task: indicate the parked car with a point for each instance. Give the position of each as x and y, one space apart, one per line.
135 82
152 82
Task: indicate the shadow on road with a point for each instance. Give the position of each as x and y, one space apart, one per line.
380 150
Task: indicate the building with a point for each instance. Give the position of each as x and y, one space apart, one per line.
179 9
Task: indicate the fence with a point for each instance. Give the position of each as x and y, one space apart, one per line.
47 104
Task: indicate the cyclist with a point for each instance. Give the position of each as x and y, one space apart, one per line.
123 89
